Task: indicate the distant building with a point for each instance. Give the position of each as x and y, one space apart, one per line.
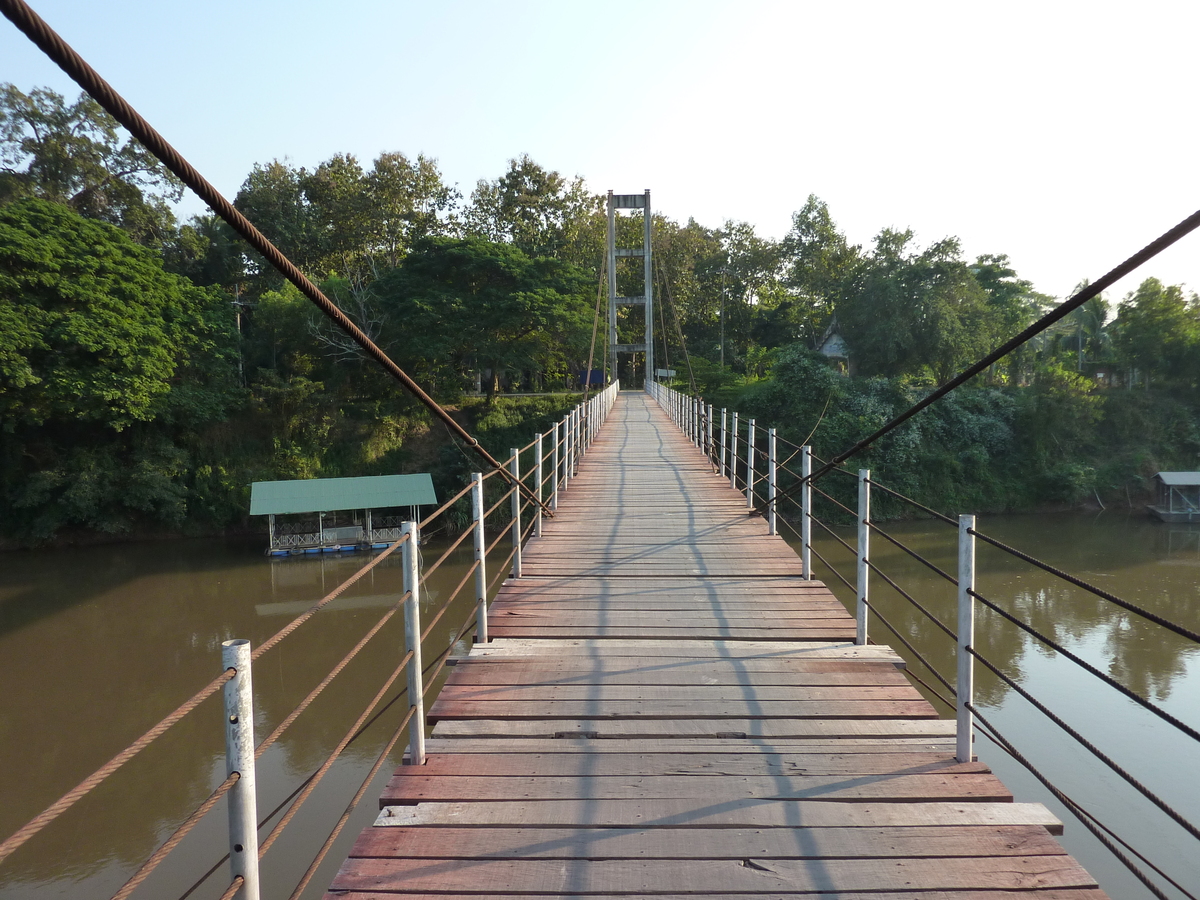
834 347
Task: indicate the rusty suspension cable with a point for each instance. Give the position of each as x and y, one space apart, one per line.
61 53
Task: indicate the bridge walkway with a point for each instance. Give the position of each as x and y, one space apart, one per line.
668 710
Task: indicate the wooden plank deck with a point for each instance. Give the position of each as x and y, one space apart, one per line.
668 710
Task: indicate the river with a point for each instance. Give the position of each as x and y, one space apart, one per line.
97 644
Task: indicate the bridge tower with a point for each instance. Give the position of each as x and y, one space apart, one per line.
646 298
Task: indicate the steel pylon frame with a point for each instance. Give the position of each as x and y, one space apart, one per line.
646 299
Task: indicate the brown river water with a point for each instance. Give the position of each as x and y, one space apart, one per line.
97 644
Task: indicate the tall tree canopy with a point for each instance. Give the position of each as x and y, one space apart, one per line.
77 154
453 306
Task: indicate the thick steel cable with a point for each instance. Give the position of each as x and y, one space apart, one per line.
69 799
324 683
448 601
499 537
234 887
324 601
446 553
332 758
491 509
817 553
833 534
1091 748
1088 667
914 554
445 506
351 806
434 669
1184 228
933 513
502 571
913 600
178 835
1099 592
916 653
1066 801
678 328
1079 812
587 385
837 503
38 31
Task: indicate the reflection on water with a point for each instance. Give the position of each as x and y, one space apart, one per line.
98 644
1153 565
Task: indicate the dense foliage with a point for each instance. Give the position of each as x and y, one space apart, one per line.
151 369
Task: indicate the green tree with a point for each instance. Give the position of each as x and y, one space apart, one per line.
108 364
1157 331
908 312
818 263
540 212
458 305
77 154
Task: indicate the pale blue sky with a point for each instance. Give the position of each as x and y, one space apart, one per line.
1063 134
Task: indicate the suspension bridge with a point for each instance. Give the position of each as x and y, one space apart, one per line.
661 701
667 706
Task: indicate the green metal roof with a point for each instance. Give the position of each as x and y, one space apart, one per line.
329 494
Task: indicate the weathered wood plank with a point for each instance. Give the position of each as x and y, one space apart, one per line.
705 876
693 727
419 788
740 813
746 691
447 707
712 843
678 746
1032 894
787 763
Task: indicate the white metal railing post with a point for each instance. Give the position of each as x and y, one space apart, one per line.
771 482
750 441
709 446
733 439
516 512
864 551
554 468
566 474
724 438
239 757
537 476
412 643
481 622
965 688
806 512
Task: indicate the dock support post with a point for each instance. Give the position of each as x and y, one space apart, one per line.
724 438
806 512
516 512
554 467
750 441
412 644
239 757
481 622
537 477
370 530
271 531
771 482
864 556
965 687
733 436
